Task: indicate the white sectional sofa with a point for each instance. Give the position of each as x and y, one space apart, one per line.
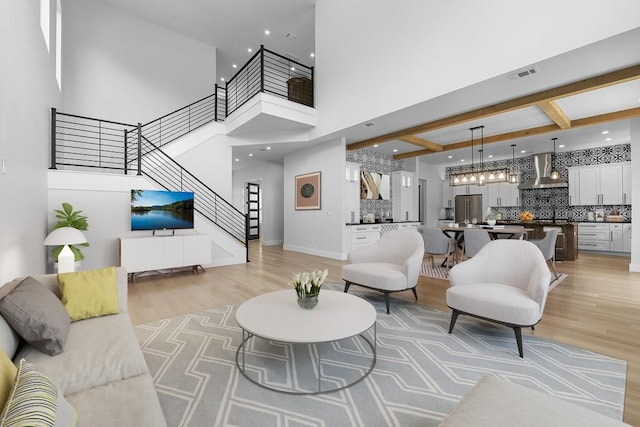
101 371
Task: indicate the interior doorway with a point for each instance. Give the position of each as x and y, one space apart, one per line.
422 201
254 208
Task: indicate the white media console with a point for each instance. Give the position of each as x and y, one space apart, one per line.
154 253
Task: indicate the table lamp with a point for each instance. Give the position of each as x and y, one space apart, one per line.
65 236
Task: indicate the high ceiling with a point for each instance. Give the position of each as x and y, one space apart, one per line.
234 26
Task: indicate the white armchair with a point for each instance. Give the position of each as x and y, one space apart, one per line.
392 264
506 282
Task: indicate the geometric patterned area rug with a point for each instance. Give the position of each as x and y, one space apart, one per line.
421 371
439 272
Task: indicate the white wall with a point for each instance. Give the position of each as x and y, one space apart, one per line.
28 90
270 177
373 58
316 232
211 162
635 190
433 176
118 67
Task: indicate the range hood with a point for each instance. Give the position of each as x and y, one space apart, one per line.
542 169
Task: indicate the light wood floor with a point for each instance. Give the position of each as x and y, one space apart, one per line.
597 307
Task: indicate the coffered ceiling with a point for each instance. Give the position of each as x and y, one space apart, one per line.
602 103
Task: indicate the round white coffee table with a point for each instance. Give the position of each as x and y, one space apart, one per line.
277 316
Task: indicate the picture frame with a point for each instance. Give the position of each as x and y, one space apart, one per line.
307 191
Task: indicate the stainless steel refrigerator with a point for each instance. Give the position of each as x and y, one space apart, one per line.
468 207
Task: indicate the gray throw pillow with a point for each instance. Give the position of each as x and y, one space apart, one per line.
37 315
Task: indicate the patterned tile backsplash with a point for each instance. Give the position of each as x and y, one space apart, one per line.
554 202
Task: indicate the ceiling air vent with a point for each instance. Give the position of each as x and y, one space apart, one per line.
369 124
290 36
523 73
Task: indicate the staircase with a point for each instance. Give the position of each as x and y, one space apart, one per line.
90 144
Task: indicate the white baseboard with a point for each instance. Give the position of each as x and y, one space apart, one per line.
272 242
634 267
311 251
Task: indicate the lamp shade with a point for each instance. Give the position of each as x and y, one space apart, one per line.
65 236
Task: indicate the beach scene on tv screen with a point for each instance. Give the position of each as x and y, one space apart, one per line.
158 210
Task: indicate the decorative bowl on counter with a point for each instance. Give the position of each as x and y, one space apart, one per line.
491 222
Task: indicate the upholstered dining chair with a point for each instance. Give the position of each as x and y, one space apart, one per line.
474 240
392 264
437 243
506 282
548 248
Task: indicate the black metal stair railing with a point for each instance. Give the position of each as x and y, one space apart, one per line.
170 175
180 122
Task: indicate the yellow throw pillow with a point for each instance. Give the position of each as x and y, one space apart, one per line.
90 293
8 372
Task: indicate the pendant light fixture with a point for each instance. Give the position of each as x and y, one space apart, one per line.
472 177
555 175
481 176
513 176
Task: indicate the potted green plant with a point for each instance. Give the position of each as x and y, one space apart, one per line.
491 218
67 217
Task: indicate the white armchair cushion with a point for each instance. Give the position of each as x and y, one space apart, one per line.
495 301
385 276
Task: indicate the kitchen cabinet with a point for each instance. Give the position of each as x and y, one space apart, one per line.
352 193
606 237
447 194
364 235
502 194
574 186
593 236
626 183
626 238
596 185
404 196
615 238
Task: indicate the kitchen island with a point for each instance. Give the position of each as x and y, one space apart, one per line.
567 241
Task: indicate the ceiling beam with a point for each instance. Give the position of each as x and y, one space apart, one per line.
555 113
422 143
587 121
581 86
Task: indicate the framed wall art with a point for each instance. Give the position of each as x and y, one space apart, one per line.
308 191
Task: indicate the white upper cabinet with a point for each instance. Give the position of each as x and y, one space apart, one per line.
404 196
502 194
352 193
597 185
447 194
626 183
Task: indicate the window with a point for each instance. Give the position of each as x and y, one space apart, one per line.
58 44
45 16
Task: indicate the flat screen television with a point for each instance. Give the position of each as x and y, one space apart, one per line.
161 210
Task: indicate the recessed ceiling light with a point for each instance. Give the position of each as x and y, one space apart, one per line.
462 160
375 145
234 66
293 68
267 32
490 156
561 146
268 148
604 132
249 50
221 79
449 157
395 150
237 160
608 139
313 55
250 154
523 151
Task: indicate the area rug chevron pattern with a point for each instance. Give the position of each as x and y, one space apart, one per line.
439 272
421 372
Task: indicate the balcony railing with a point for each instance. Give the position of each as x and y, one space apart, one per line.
273 73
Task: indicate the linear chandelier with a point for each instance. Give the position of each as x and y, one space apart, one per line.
483 176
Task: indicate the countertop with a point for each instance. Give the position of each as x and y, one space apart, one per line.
380 222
